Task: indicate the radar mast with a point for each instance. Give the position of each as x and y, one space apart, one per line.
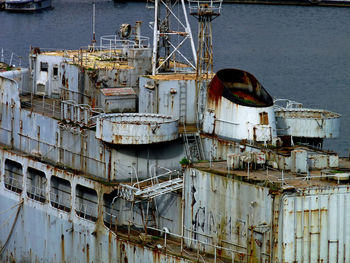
205 11
170 33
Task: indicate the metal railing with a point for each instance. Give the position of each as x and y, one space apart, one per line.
81 114
205 6
10 58
111 42
36 193
200 245
13 184
61 200
286 104
109 213
47 107
86 209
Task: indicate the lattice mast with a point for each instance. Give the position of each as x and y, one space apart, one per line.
205 11
170 33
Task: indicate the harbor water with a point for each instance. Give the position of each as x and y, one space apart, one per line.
299 53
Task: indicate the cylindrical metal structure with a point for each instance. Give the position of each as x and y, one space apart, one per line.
309 123
134 128
239 107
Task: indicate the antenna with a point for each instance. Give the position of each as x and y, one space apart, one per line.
205 11
93 42
165 48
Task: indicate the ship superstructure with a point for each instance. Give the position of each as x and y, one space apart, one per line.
109 154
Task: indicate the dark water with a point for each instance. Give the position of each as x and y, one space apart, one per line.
300 53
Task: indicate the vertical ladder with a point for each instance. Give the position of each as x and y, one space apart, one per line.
193 146
148 216
183 103
187 146
194 139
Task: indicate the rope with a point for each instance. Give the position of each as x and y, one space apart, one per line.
3 212
8 219
20 204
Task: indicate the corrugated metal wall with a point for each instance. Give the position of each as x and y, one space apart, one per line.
315 226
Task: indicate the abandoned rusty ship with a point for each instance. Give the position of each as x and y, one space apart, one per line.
123 151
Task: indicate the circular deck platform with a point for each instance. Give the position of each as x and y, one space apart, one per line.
136 128
311 123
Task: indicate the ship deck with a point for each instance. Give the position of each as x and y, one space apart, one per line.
286 179
50 107
91 59
169 244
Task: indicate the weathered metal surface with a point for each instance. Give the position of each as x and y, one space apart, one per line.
119 100
311 123
45 232
118 91
74 75
230 213
240 160
314 226
44 80
258 224
241 106
74 147
73 185
132 128
299 161
20 76
172 95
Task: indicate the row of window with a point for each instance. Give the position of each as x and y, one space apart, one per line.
86 200
44 66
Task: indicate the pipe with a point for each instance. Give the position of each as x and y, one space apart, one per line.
138 33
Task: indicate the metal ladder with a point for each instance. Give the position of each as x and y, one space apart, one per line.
183 102
193 139
149 216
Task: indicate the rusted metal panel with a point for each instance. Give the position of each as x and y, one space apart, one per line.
171 97
233 214
299 161
218 149
72 146
118 91
118 100
315 226
241 122
136 128
9 92
264 225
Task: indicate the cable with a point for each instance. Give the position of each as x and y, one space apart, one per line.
13 226
8 219
3 212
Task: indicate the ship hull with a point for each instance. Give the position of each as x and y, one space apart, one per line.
27 6
36 231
